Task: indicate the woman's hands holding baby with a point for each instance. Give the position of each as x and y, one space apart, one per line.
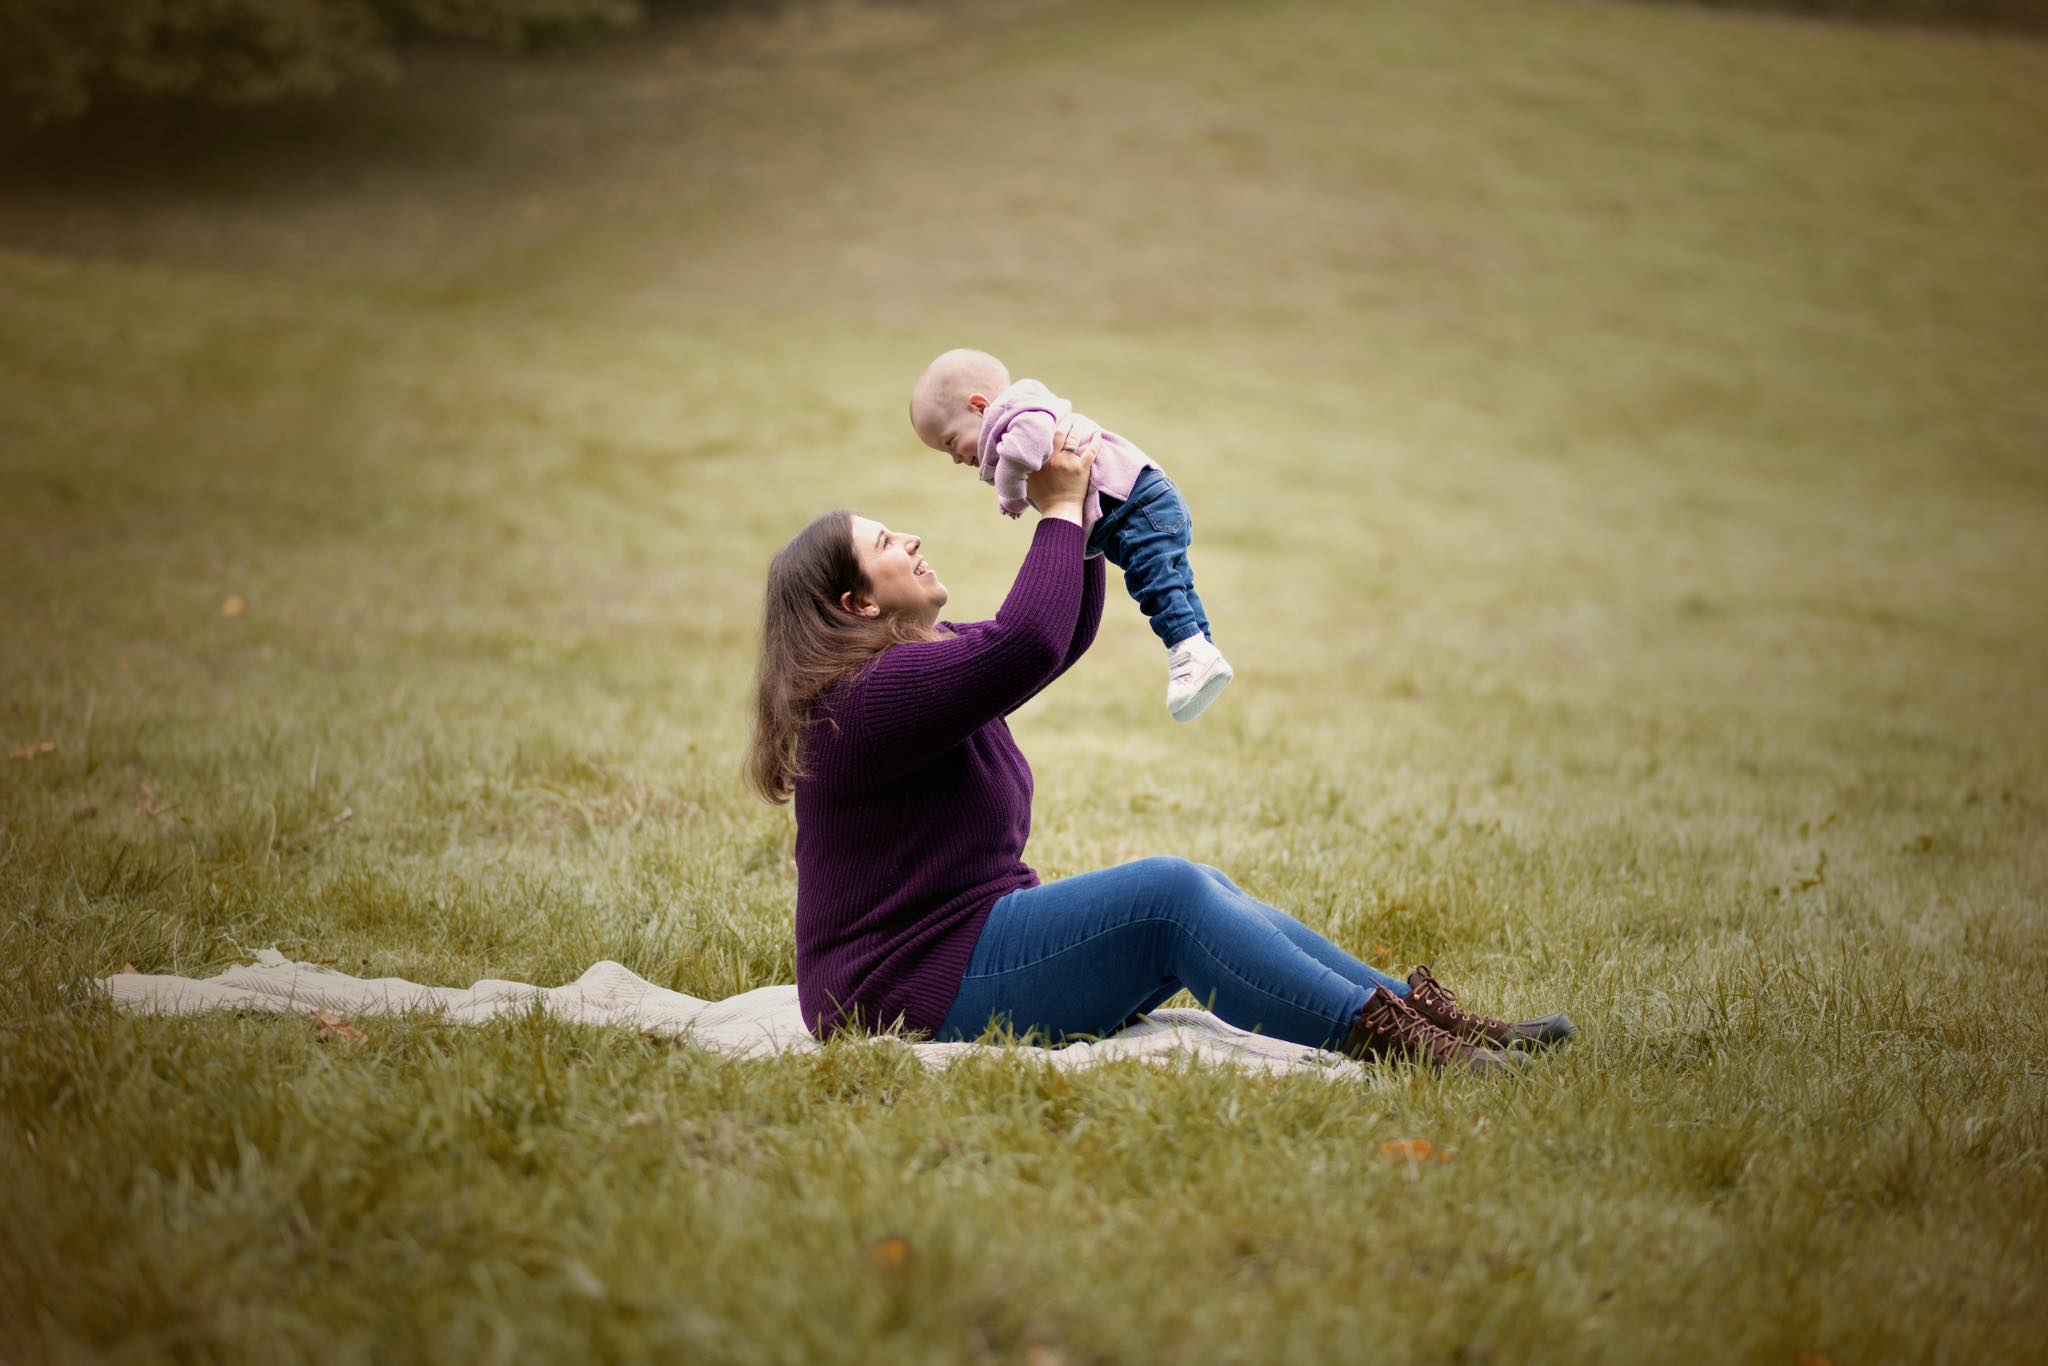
1060 486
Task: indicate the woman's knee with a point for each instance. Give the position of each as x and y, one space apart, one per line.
1198 902
1178 881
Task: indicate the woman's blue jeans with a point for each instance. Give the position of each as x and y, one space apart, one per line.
1083 955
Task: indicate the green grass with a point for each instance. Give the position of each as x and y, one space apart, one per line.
1616 439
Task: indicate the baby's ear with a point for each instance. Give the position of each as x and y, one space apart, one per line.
978 402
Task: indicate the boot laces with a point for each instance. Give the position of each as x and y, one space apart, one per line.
1408 1028
1443 1003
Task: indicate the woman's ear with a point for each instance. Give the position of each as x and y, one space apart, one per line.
849 603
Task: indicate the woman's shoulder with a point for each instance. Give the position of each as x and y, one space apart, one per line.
842 698
909 652
898 665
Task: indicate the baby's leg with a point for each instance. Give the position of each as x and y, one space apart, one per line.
1201 613
1150 544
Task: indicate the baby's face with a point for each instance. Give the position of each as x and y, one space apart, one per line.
959 436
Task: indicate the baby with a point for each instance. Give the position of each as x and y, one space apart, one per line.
965 405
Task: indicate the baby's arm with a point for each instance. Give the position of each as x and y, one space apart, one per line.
1024 447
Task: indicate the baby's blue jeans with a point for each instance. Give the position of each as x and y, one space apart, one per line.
1082 956
1147 536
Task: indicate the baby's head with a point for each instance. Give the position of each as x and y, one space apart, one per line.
950 398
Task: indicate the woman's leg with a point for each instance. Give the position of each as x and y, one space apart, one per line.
1311 943
1077 957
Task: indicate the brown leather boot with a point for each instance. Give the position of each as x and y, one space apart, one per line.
1387 1027
1436 1003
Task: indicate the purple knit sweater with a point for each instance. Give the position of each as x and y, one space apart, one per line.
913 820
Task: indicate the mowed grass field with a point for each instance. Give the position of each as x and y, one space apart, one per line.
1618 444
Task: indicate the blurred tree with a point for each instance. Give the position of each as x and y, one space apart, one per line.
58 56
2002 14
511 23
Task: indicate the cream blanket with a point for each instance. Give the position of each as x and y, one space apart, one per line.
757 1023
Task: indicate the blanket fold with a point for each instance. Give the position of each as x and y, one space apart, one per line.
763 1022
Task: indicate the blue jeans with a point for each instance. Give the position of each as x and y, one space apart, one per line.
1085 955
1147 536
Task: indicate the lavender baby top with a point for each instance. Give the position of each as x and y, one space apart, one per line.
912 820
1016 438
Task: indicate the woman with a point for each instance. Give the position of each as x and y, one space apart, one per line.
913 804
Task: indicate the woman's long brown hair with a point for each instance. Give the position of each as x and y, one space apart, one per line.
809 643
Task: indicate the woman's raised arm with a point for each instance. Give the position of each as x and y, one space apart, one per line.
918 701
1090 618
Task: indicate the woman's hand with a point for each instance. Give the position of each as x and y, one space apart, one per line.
1060 486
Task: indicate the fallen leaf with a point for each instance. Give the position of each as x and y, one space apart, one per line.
583 1280
1815 1359
31 753
85 813
235 608
147 803
890 1256
639 1119
1382 955
1038 1354
127 968
327 1027
342 817
1416 1150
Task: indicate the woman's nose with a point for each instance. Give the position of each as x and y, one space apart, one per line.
914 544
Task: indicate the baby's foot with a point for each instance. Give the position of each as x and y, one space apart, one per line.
1196 674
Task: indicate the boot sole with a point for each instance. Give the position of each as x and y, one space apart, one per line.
1552 1030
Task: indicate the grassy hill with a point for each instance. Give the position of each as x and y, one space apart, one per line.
1615 437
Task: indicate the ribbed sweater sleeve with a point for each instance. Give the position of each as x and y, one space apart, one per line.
919 701
1085 625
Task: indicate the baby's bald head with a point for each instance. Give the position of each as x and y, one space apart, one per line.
943 407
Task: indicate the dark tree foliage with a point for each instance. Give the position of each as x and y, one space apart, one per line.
57 56
2018 15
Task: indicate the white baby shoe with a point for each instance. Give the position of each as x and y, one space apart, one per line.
1196 674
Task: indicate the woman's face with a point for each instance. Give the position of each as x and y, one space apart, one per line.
899 579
